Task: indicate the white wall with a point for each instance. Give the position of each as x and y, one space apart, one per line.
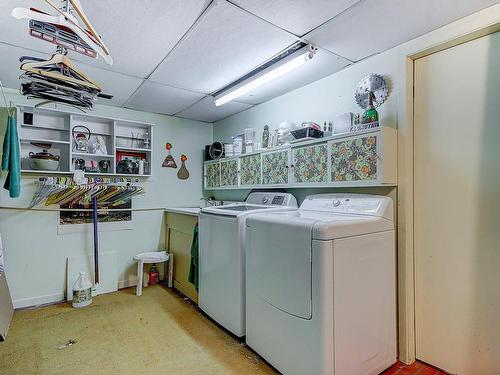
36 256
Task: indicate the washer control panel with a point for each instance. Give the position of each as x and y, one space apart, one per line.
272 199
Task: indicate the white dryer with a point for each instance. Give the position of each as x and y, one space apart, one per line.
222 256
321 286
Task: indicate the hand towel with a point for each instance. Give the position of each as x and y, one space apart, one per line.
11 160
2 263
193 266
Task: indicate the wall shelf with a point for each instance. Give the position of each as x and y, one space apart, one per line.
55 127
362 158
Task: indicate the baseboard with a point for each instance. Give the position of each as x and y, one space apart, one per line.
127 283
36 301
60 297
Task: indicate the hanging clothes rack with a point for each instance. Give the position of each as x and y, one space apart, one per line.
58 80
108 191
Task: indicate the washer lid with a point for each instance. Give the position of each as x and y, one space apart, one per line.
357 204
325 225
242 209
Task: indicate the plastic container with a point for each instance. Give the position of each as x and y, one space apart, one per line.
237 145
307 133
82 291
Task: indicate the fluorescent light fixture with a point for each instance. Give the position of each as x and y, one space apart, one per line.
262 79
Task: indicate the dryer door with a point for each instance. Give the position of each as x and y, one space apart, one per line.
279 262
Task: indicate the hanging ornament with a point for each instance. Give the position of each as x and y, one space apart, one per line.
183 173
169 161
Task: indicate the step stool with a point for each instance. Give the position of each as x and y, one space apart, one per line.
153 257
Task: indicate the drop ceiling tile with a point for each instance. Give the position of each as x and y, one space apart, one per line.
9 65
119 85
299 16
139 34
205 110
154 97
16 32
374 26
323 64
225 44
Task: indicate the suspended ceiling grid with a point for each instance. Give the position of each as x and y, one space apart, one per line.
170 55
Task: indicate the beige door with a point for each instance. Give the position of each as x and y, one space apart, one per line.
457 207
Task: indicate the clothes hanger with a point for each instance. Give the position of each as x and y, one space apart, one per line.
60 36
62 20
78 8
39 66
51 92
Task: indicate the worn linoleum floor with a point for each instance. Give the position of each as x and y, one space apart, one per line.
119 333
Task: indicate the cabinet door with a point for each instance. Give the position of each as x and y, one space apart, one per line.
212 175
355 159
275 167
229 173
179 238
310 164
250 170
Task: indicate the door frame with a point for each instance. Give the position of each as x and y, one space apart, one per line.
406 180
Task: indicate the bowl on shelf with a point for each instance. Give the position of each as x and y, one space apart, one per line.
43 161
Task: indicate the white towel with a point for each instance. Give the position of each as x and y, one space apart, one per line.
2 264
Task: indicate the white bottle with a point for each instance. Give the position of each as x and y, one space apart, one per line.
82 291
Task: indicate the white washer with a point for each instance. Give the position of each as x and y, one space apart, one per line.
222 256
321 286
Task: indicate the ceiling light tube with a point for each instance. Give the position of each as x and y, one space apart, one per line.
270 75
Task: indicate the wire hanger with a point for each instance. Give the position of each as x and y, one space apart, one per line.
46 68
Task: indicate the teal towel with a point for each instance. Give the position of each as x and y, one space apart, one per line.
11 160
193 266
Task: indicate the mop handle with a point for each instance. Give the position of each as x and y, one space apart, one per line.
96 241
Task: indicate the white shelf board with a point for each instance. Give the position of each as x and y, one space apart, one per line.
40 140
70 173
133 149
33 171
48 127
86 154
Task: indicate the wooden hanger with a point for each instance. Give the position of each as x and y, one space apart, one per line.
37 67
76 4
78 7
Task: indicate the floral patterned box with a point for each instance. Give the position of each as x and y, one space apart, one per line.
275 168
310 164
250 170
212 175
229 172
354 159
